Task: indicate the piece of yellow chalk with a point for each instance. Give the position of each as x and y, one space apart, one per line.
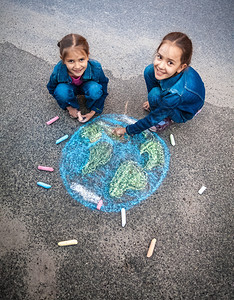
68 243
151 248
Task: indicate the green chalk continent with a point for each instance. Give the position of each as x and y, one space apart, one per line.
100 154
93 132
155 152
129 176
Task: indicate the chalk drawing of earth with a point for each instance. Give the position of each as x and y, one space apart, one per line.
96 165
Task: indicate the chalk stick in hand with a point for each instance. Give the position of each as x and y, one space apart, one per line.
80 118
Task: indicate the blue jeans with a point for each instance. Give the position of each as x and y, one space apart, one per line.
153 97
154 91
66 94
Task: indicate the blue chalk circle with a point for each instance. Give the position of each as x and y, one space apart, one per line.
97 165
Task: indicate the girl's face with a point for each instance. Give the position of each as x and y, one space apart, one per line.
76 62
167 61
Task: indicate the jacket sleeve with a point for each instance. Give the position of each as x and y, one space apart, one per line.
150 80
52 83
99 104
166 106
152 119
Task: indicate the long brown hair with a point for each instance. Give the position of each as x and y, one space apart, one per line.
182 41
73 40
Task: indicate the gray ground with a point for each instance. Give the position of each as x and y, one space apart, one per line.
193 255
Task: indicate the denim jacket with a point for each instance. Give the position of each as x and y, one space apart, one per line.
182 96
93 72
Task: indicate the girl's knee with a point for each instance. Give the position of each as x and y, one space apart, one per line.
153 97
64 95
155 94
62 91
94 91
149 73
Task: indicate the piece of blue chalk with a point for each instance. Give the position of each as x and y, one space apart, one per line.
44 185
62 139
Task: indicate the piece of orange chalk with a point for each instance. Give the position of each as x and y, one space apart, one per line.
151 248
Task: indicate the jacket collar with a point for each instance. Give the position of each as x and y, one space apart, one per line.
166 84
88 72
63 74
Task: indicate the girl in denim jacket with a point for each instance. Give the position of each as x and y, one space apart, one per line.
176 92
76 74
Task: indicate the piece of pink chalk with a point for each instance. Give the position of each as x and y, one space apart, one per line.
45 168
100 203
52 120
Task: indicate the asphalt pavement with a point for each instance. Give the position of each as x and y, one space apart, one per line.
193 256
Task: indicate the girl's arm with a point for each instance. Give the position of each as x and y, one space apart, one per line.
150 79
52 84
152 119
166 107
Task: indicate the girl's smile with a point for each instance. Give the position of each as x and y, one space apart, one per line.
167 61
76 62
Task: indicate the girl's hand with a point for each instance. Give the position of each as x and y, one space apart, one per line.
87 117
73 112
146 106
119 131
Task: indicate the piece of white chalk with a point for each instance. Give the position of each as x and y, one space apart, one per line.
44 185
43 168
62 139
52 120
99 205
123 215
172 139
202 189
151 248
68 243
162 123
